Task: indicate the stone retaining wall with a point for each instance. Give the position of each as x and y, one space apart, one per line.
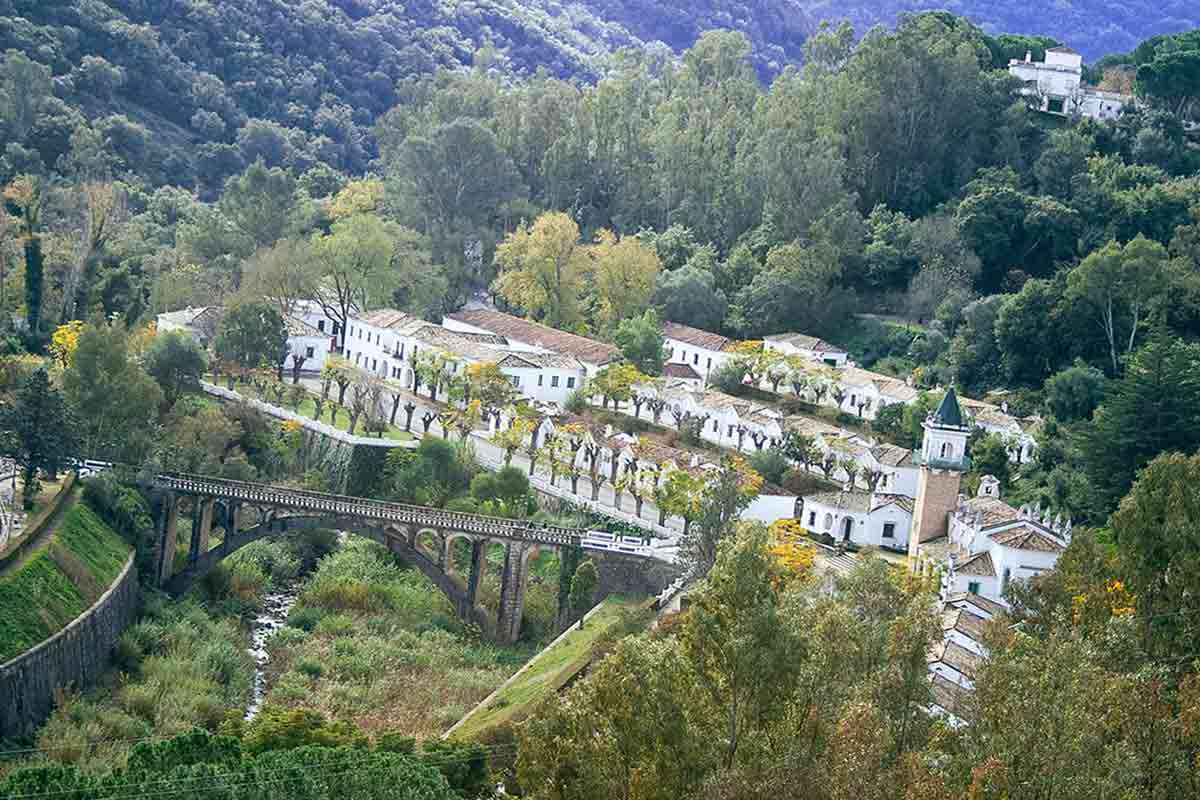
75 656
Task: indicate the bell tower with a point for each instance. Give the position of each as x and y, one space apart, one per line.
943 460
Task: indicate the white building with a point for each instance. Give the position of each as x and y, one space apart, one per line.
807 347
1056 86
199 323
1019 433
859 518
698 349
991 543
388 342
308 347
522 335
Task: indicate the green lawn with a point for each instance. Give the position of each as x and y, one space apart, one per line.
306 408
549 669
48 591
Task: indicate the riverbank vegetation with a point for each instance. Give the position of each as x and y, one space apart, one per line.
375 644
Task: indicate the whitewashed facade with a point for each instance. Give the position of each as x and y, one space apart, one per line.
1055 86
864 519
807 347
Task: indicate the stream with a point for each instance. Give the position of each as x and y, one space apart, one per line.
273 616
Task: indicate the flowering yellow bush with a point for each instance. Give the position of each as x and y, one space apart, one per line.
65 341
788 546
1114 601
291 426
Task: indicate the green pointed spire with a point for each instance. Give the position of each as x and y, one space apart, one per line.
948 413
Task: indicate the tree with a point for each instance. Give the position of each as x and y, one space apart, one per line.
1120 285
1153 408
491 387
729 491
584 583
796 290
38 432
111 395
175 360
641 341
542 270
1074 393
624 272
615 383
251 336
281 275
735 637
259 201
354 269
974 355
689 296
64 341
25 193
1157 530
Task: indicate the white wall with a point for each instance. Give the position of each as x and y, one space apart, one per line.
770 507
701 359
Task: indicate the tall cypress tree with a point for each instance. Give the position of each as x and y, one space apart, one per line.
33 285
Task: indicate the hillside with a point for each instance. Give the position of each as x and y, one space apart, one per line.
1095 28
187 90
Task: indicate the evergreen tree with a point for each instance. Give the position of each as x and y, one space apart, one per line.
583 589
38 431
1154 408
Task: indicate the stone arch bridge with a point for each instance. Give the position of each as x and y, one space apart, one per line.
406 530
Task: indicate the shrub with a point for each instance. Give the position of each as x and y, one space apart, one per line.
771 463
305 618
309 667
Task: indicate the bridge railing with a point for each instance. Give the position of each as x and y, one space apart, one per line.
375 509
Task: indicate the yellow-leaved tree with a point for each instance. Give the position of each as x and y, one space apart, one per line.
623 274
542 270
65 341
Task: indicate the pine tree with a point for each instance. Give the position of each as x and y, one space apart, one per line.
1154 408
39 431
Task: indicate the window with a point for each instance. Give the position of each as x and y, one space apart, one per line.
973 587
514 380
716 426
400 352
356 357
889 530
828 521
945 448
540 379
570 383
730 434
321 325
812 519
709 364
695 358
853 400
374 365
308 352
553 381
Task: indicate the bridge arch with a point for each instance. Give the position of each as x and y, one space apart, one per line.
396 539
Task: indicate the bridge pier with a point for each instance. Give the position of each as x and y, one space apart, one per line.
201 528
513 581
478 557
168 523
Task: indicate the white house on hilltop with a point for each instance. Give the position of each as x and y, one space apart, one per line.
1056 86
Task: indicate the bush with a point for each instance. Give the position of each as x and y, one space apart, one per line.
309 667
306 618
728 377
771 464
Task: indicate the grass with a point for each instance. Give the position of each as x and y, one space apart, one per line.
178 668
47 592
377 645
308 406
549 670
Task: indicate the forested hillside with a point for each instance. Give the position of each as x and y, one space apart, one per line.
1095 28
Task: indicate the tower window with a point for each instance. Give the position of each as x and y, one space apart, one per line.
945 449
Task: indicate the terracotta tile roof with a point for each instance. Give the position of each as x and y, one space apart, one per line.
858 502
695 336
587 350
298 327
957 657
993 510
903 501
680 371
891 456
964 622
950 697
804 342
966 599
978 564
1028 537
384 318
